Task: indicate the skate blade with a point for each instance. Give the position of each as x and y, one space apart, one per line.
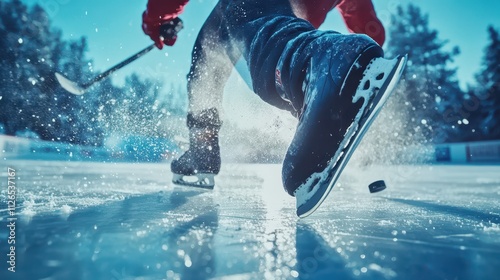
205 181
312 193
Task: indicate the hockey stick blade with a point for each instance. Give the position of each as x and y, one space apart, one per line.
77 89
69 86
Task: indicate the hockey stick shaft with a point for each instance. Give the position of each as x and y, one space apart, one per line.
168 29
118 66
80 89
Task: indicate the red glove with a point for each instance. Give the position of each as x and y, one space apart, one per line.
160 13
360 17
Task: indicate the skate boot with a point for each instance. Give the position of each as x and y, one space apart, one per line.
201 162
344 89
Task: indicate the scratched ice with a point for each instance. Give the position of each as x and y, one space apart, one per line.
127 221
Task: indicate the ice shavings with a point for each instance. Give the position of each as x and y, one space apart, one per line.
28 211
386 272
468 235
386 223
66 209
493 228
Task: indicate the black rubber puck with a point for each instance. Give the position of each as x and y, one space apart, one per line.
377 186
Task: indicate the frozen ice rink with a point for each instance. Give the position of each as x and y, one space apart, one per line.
127 221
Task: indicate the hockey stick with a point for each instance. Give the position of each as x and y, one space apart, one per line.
168 29
80 89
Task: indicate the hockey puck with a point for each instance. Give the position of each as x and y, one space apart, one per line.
377 186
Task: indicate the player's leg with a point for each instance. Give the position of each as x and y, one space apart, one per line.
213 57
211 66
285 56
315 74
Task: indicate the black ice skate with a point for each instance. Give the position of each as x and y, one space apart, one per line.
342 98
198 166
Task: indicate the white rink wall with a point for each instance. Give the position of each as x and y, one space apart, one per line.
472 152
126 149
24 148
487 152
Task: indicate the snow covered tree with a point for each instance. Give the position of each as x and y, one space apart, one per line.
42 47
31 99
31 51
429 86
488 89
14 80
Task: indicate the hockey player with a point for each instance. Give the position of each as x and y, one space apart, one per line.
324 78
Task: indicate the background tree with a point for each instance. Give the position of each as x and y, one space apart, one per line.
429 86
14 57
488 89
32 100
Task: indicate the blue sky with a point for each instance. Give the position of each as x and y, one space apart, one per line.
113 29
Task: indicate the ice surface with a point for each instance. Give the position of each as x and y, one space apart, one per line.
126 221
